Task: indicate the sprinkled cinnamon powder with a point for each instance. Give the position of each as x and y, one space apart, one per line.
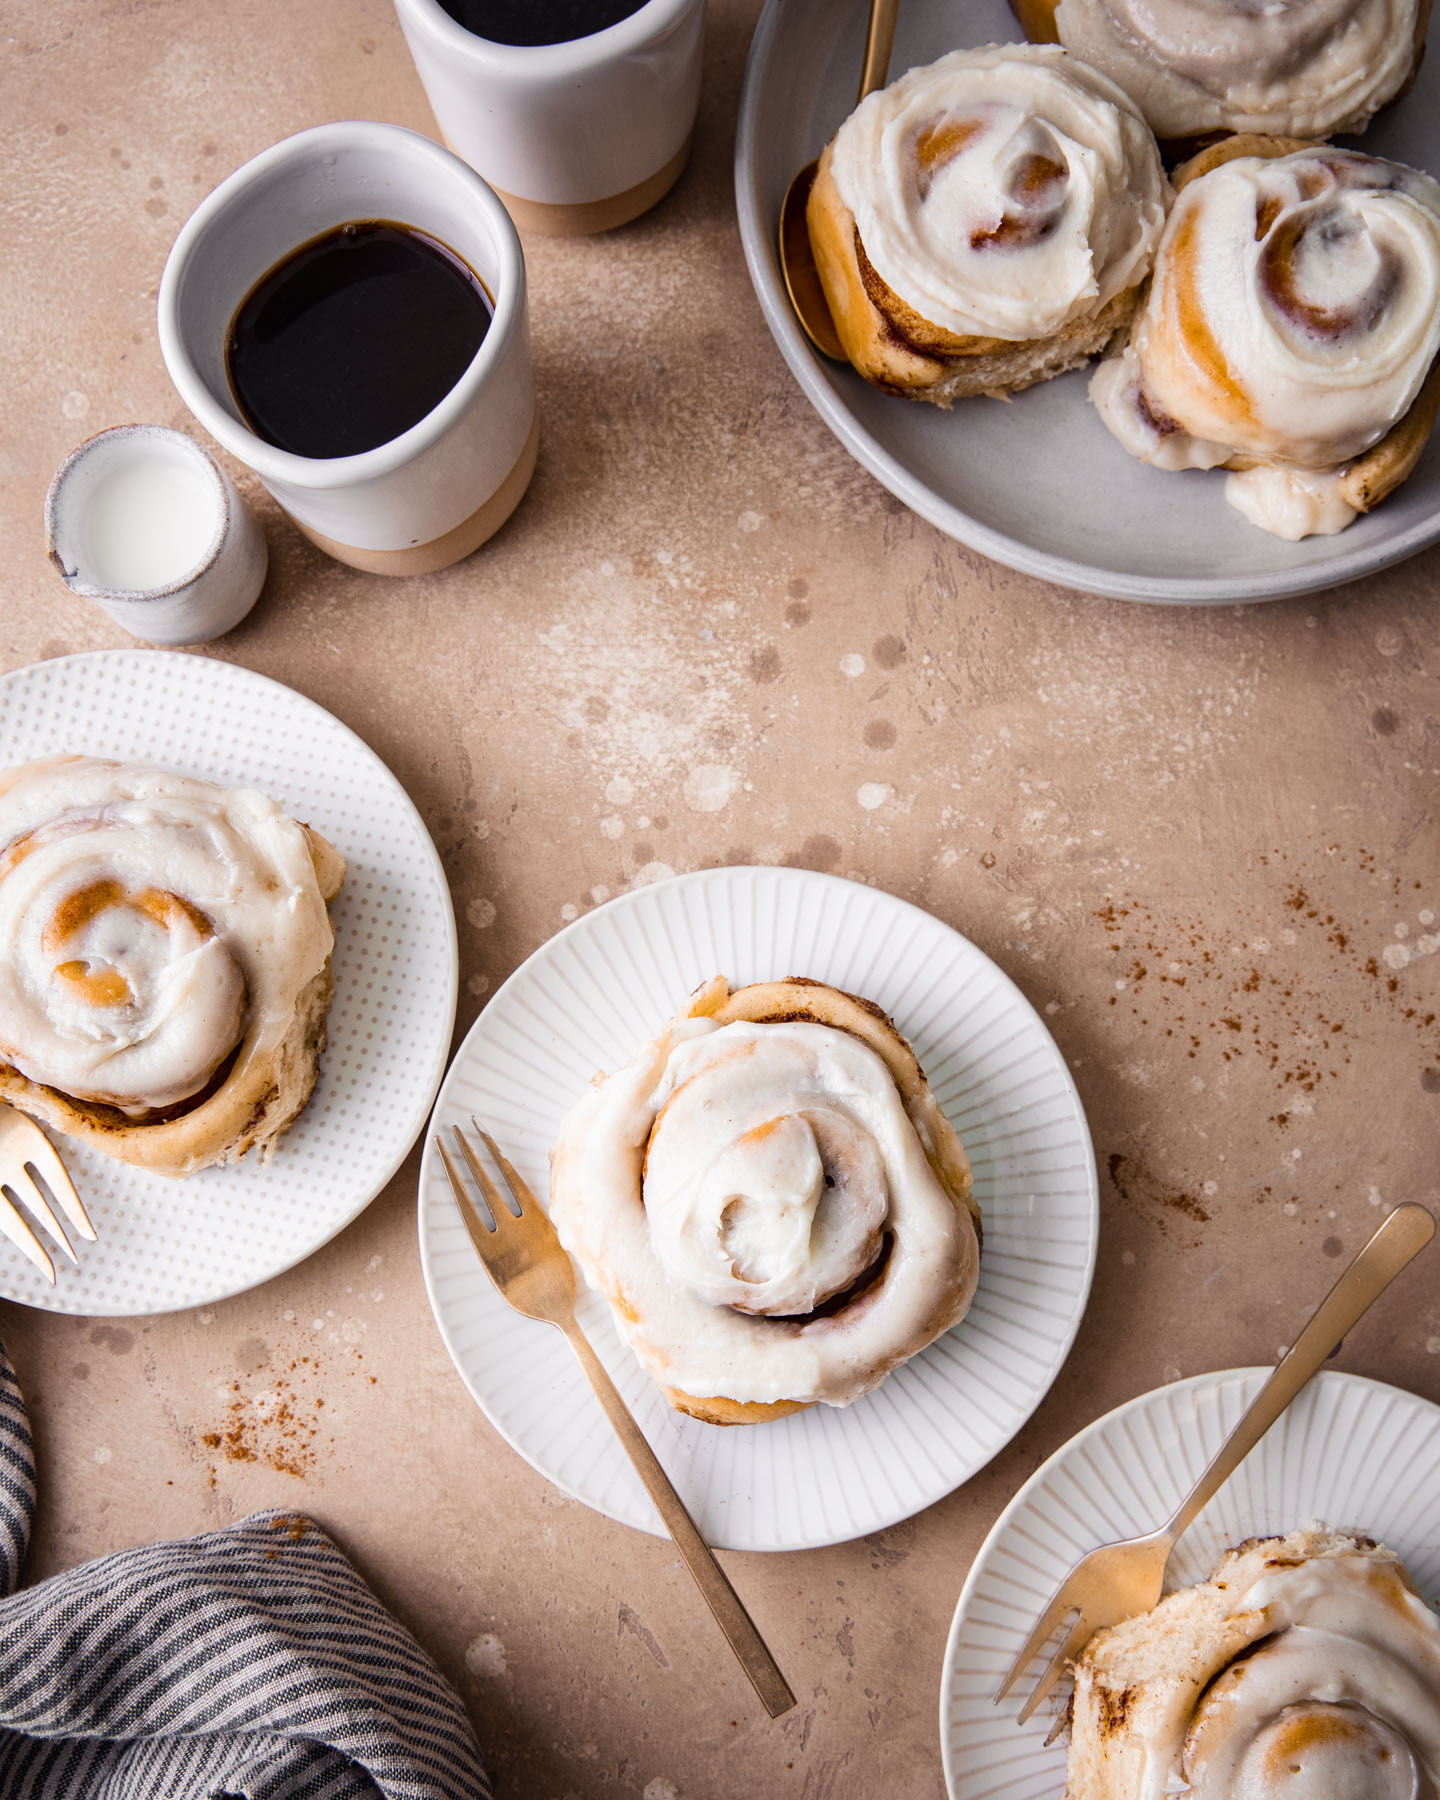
1132 1182
274 1416
1280 1002
1264 1003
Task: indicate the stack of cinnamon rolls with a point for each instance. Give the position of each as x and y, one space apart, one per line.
1271 305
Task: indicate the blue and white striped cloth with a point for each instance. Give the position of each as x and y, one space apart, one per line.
247 1664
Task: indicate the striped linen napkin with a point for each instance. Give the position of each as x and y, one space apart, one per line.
248 1664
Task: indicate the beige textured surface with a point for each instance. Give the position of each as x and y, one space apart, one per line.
1202 842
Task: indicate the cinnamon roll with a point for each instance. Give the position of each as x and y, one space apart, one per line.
1306 1668
985 222
771 1200
164 960
1303 68
1290 334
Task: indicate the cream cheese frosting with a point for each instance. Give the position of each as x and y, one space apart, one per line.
1307 1668
147 922
1002 192
1291 503
1293 318
1296 68
730 1181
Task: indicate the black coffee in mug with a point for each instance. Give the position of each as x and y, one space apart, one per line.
538 21
353 338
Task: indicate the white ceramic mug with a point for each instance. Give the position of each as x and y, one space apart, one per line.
578 136
432 495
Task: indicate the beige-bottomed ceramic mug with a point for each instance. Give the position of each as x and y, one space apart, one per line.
437 491
578 136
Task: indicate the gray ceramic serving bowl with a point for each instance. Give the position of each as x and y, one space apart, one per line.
1036 482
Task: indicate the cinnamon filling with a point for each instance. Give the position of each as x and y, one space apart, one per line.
1327 237
1038 184
1191 322
938 143
103 986
1159 422
115 1118
1268 211
78 908
866 1282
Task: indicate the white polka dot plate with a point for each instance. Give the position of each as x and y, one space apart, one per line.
1350 1453
586 1001
168 1244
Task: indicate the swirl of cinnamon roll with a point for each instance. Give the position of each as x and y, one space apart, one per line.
771 1200
164 960
1305 68
1306 1668
1289 334
985 221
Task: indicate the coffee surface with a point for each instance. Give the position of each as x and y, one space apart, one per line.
354 338
538 21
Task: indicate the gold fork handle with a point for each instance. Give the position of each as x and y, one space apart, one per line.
879 36
1403 1236
723 1601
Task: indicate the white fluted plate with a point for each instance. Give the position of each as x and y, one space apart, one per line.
167 1244
1350 1452
586 1001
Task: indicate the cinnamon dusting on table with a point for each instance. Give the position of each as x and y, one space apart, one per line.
1281 996
1173 978
274 1416
1132 1182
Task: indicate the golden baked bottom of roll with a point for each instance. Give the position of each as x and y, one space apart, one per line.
1304 68
771 1200
1290 334
1306 1668
985 222
164 960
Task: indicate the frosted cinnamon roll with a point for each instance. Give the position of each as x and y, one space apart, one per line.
164 960
985 222
1290 333
1306 1668
771 1200
1302 68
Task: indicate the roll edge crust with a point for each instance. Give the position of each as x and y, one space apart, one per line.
798 998
254 1099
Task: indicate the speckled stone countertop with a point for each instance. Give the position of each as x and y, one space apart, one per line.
1202 842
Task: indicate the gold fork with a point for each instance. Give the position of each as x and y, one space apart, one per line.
1117 1581
527 1262
27 1157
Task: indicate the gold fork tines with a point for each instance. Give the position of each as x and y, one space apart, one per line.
27 1160
1119 1581
528 1264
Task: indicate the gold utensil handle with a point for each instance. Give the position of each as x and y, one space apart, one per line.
878 39
1403 1235
723 1601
